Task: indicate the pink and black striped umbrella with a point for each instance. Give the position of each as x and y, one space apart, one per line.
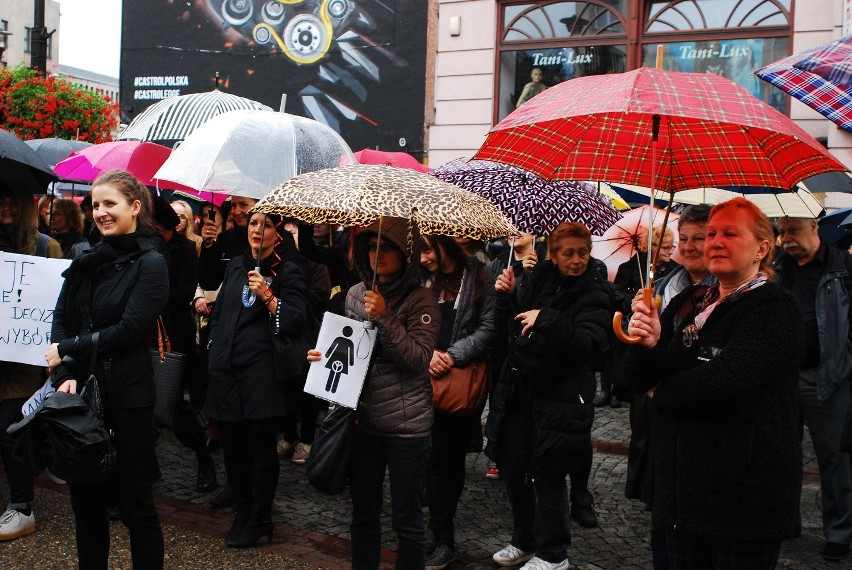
534 205
820 77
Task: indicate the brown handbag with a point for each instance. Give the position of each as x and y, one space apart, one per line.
463 389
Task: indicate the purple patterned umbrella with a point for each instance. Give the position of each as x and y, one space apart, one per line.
532 204
820 77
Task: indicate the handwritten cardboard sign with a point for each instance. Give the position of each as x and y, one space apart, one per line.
29 287
346 346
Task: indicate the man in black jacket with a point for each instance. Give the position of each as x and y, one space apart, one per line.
217 251
817 276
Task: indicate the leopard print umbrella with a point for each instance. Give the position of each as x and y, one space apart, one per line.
359 194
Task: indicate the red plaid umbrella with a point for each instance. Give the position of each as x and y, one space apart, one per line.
820 77
711 133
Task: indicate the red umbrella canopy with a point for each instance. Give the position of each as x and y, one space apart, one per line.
141 159
711 133
390 158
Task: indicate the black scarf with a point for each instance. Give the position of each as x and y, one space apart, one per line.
82 273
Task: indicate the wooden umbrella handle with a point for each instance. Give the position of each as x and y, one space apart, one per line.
618 316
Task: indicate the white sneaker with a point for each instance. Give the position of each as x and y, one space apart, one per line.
14 524
537 563
511 556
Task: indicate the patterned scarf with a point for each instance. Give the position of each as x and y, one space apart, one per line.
707 304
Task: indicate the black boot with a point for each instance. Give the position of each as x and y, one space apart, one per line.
243 508
251 534
583 510
206 480
263 486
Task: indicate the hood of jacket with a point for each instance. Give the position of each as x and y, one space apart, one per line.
395 230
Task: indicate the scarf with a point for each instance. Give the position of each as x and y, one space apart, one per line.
708 303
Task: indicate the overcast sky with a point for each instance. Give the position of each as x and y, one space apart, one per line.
91 35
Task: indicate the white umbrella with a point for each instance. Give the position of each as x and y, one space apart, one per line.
249 153
176 118
798 204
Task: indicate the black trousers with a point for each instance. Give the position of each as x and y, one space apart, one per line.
451 437
252 466
131 485
18 473
538 503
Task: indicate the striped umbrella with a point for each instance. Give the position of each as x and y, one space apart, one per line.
173 119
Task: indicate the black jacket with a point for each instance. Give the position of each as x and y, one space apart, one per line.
574 322
631 274
213 260
725 434
182 261
242 384
121 299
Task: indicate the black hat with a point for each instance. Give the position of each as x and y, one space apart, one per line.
164 214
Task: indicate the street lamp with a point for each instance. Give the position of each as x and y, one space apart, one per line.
3 35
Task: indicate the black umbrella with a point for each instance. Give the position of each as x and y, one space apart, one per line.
21 166
55 149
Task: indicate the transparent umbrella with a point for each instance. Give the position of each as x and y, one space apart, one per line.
249 153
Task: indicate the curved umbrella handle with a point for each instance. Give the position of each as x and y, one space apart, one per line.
618 316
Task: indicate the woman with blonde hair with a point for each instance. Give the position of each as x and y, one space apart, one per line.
186 227
721 365
66 225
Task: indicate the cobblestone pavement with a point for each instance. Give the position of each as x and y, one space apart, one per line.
312 529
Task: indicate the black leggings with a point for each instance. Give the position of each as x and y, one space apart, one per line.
131 485
252 465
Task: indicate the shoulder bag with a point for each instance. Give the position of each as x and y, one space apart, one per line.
328 466
168 377
463 389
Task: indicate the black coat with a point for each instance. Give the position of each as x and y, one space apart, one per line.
631 274
212 261
725 432
121 299
242 384
182 261
574 321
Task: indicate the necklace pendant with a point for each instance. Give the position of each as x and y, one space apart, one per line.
249 296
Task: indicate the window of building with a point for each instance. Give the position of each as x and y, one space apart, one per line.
28 39
561 40
549 42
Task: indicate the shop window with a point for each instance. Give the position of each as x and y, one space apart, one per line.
681 15
568 37
562 20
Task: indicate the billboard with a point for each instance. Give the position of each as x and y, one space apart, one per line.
358 66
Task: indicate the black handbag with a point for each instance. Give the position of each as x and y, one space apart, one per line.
328 466
168 378
77 445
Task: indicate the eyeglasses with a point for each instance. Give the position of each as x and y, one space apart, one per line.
654 247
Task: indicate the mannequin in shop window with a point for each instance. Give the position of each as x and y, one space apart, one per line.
532 88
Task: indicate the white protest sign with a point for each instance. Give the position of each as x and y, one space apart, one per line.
29 287
346 346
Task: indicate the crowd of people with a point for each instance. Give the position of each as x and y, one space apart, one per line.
741 346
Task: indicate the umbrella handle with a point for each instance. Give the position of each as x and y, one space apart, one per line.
618 316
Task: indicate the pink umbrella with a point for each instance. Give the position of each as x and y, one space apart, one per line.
618 244
141 159
390 158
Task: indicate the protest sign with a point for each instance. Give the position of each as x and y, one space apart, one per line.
346 346
29 287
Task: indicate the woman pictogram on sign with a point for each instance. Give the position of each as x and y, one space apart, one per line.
341 355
